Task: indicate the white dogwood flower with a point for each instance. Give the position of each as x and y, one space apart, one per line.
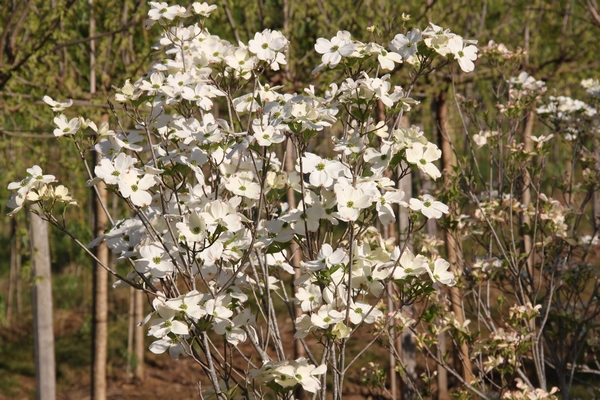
333 50
66 127
428 206
441 272
56 105
423 157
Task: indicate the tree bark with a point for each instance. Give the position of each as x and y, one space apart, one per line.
100 300
139 345
526 197
15 259
296 258
100 285
596 194
406 341
41 300
130 332
442 377
452 249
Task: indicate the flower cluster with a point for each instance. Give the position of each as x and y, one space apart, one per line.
413 48
566 108
526 392
523 92
36 188
498 53
592 86
289 374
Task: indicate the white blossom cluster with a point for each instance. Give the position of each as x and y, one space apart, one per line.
35 188
206 191
563 107
592 86
525 85
411 48
403 48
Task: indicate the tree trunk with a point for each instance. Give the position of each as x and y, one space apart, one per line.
296 256
92 48
139 338
406 341
130 332
390 231
100 301
526 199
100 286
442 377
41 301
15 258
596 195
452 249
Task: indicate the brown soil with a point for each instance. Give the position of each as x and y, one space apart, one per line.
165 378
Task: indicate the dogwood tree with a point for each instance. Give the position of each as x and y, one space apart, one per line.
198 153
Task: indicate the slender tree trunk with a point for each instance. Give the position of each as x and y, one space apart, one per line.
100 285
19 288
41 300
395 343
13 274
296 256
452 248
442 376
526 198
100 301
139 345
285 10
537 349
392 357
406 341
130 333
442 379
92 48
596 194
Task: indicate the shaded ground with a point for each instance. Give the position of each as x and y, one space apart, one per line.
164 378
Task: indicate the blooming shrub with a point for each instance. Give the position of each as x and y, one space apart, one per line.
230 201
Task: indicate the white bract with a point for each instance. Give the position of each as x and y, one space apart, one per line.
65 126
464 53
406 46
423 157
428 206
333 50
57 106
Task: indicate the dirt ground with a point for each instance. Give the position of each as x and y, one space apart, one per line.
165 378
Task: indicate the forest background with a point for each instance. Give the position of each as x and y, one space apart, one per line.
80 49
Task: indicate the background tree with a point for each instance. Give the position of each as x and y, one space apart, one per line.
41 296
